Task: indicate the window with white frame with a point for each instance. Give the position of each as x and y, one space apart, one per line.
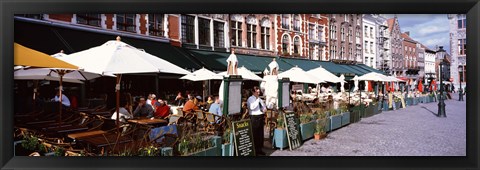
218 34
366 47
311 51
285 44
296 45
462 46
126 22
321 36
251 35
311 31
188 29
236 27
366 31
89 19
296 23
461 21
371 32
285 21
155 24
265 37
342 32
204 31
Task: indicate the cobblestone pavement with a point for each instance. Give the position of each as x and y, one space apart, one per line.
413 131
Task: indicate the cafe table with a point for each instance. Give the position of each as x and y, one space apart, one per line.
148 121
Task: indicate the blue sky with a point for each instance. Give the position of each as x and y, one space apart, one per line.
428 29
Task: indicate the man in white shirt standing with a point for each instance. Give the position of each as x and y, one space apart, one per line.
256 109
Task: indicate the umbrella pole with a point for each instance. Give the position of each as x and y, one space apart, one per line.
60 73
117 90
35 82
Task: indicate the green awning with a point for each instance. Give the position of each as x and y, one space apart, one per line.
52 39
370 68
217 61
302 63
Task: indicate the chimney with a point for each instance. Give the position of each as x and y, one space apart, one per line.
408 33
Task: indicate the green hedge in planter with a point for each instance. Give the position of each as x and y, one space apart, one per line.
280 138
307 129
345 118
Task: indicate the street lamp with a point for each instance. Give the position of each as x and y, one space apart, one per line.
441 103
460 92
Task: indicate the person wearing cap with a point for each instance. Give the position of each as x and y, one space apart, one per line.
162 110
143 109
65 100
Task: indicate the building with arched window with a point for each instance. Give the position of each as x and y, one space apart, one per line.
252 34
318 37
346 40
458 48
295 44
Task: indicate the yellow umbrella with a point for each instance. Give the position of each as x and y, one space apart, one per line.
25 56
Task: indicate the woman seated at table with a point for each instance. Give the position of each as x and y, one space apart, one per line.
190 105
124 114
162 110
179 100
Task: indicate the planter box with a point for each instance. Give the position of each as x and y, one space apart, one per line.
398 105
307 130
369 111
227 149
385 106
415 101
335 122
357 111
345 118
409 101
212 151
280 138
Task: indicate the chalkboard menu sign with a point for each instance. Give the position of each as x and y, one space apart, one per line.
293 130
243 138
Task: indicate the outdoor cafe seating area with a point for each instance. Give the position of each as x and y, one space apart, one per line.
93 126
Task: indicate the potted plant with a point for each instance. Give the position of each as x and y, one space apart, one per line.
280 134
320 130
307 126
398 103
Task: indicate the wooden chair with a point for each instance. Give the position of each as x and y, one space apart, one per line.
201 120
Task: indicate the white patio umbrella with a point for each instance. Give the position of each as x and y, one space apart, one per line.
371 77
325 75
297 74
202 75
245 73
116 57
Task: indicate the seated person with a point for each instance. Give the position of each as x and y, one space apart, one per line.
162 110
143 110
65 101
209 102
190 105
216 109
179 100
124 114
